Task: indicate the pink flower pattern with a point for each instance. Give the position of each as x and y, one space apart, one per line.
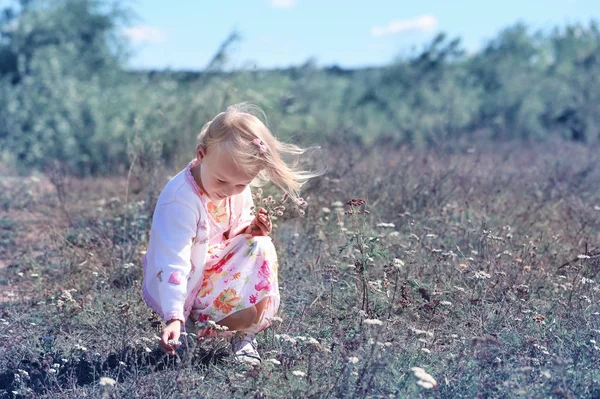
239 273
175 278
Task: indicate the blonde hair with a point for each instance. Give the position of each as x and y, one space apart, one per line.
235 131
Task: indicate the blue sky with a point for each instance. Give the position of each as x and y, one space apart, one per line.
184 34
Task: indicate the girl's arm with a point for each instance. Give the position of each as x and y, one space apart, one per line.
173 228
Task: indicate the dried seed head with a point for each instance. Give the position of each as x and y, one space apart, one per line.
356 202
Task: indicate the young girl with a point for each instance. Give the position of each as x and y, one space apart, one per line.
209 257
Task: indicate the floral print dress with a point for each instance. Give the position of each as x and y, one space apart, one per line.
239 273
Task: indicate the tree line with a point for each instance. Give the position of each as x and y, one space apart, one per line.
67 95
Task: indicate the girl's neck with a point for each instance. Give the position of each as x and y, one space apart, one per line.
195 170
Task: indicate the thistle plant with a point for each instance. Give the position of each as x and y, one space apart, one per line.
368 248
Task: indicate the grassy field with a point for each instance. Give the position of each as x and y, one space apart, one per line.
481 267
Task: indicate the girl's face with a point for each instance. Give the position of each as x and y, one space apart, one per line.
220 177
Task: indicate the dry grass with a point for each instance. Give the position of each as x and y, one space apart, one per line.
482 267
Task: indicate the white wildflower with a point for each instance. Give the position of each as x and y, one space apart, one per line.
107 381
425 379
386 225
373 322
326 210
337 204
353 359
425 350
52 371
394 234
148 350
398 263
545 373
274 361
275 319
299 373
446 303
312 341
425 384
285 338
481 275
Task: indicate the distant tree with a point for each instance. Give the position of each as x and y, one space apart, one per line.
81 33
572 85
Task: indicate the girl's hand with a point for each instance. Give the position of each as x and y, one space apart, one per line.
261 225
170 333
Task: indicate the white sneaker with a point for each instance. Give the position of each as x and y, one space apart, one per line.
244 350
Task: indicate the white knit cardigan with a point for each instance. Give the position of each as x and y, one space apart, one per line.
176 254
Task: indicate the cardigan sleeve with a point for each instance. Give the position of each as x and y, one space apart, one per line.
173 229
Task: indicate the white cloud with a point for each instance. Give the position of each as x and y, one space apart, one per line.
424 23
144 34
282 3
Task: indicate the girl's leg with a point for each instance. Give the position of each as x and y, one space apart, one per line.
240 320
260 308
243 319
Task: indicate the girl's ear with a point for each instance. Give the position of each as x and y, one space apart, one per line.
200 152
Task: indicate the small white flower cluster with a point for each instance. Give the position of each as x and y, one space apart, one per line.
22 374
294 340
373 322
107 382
210 324
542 349
299 373
65 298
80 348
424 379
386 225
398 263
481 275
